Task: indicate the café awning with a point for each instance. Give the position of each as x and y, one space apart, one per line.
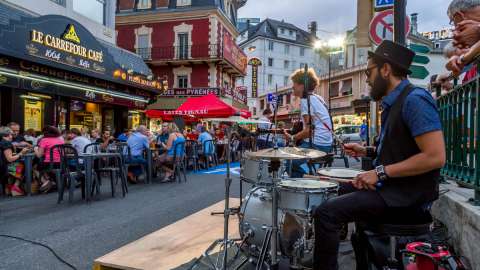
198 107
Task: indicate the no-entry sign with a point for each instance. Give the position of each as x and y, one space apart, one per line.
381 26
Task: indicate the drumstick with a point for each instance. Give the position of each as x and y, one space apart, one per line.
327 178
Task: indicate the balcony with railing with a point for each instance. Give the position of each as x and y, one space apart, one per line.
231 55
460 118
179 53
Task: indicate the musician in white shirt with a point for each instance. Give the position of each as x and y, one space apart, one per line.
321 120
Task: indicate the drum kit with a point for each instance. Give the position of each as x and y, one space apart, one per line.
276 215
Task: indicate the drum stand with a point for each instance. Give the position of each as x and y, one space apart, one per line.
222 261
271 236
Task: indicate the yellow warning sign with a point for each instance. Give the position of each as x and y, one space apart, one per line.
70 34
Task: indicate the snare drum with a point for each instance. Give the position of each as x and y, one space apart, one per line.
302 195
345 173
255 171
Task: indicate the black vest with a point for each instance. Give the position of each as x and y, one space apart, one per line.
399 145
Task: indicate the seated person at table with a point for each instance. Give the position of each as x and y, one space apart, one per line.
30 136
162 138
174 138
124 136
138 143
105 140
51 137
11 169
78 141
94 135
18 139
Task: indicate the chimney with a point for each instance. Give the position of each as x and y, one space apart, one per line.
312 28
414 21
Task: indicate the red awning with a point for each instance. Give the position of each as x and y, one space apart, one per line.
197 107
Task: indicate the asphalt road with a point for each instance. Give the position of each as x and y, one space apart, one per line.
82 232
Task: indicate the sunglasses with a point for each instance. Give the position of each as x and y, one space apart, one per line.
368 71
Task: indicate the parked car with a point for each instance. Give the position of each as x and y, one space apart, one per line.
349 132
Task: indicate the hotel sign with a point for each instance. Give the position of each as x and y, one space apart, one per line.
254 62
191 92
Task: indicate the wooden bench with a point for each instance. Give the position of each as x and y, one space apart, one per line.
173 245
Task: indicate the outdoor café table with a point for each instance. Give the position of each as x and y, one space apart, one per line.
28 162
88 160
150 152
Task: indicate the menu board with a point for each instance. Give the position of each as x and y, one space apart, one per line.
33 114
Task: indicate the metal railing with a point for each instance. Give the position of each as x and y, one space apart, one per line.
461 121
191 52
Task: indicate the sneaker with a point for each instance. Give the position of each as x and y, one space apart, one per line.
17 191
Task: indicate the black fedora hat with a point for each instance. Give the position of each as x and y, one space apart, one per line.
395 54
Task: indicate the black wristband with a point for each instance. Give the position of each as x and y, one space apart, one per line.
371 153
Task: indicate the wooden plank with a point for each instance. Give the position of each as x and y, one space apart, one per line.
172 246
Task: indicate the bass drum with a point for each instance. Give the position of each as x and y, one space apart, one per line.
295 232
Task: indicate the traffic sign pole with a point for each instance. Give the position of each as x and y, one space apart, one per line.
399 13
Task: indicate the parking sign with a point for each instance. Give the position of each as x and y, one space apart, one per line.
271 98
383 3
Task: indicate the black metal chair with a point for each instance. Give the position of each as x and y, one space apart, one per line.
209 144
92 148
125 150
178 162
71 172
112 166
191 154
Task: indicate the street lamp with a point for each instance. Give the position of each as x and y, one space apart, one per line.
330 47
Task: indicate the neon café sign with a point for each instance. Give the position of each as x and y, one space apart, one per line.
70 43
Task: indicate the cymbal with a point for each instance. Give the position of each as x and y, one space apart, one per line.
287 153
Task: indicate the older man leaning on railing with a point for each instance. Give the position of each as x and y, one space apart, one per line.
458 104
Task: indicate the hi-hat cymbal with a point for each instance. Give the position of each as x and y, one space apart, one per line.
286 153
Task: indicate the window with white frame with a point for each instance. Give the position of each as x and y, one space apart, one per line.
282 31
270 45
286 64
270 79
290 32
287 49
302 51
285 80
183 45
182 81
144 4
143 41
184 3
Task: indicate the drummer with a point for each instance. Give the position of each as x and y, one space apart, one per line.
321 120
409 154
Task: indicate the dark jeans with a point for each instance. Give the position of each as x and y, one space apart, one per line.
297 171
351 205
136 161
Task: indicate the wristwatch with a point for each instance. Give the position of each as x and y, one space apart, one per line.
380 171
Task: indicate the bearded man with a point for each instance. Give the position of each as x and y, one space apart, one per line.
408 155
